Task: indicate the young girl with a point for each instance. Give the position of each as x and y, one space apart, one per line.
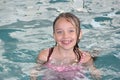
66 61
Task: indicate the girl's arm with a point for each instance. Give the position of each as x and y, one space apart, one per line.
36 70
88 62
41 59
95 73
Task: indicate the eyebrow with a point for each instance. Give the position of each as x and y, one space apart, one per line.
58 29
68 28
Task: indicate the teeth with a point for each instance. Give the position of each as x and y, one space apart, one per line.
66 41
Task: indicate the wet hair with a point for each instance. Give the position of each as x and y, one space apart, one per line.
74 20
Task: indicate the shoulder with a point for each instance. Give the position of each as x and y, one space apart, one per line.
43 55
86 57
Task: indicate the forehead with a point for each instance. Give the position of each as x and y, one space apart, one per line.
64 22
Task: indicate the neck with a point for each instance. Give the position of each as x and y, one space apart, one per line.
65 52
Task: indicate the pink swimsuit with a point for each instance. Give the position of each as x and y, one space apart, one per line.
64 72
62 68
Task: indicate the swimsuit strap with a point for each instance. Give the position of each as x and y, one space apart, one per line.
50 53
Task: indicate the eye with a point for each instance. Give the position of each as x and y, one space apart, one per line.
71 30
59 32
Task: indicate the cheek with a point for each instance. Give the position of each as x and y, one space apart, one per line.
57 38
74 36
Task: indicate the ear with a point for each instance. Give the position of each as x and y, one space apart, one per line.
80 36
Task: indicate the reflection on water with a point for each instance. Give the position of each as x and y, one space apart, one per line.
26 28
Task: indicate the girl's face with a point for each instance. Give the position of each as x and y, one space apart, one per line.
65 34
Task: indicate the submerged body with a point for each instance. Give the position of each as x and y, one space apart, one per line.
64 72
65 68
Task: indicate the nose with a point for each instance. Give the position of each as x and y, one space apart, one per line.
65 35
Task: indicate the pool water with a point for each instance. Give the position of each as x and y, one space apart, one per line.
26 29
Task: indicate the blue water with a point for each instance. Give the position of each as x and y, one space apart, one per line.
26 29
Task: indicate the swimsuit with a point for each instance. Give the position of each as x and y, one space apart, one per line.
73 71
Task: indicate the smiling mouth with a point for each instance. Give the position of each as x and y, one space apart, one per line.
66 42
